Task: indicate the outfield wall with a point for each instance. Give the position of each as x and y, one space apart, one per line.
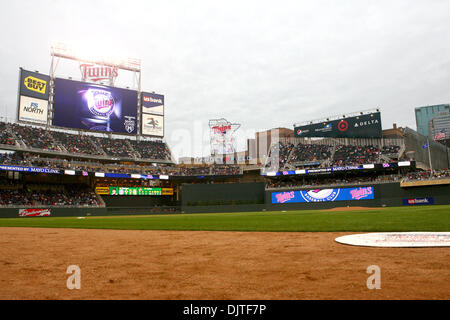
240 197
387 194
223 194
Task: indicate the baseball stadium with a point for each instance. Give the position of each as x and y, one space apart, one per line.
103 192
337 208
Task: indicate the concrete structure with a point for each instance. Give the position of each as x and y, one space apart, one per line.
427 113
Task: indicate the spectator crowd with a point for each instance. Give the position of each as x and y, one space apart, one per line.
17 194
33 160
52 140
290 156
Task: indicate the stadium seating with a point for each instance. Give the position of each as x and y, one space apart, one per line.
424 175
310 155
51 140
18 194
151 149
294 182
115 148
34 160
76 144
355 155
5 138
37 138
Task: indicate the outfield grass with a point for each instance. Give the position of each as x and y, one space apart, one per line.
426 218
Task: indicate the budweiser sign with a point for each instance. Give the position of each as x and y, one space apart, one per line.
98 73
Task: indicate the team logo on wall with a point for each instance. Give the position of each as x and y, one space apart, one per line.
283 197
100 102
129 124
361 193
318 195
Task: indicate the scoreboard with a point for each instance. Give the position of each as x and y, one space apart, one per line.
134 191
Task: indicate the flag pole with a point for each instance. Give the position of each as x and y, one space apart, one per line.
429 156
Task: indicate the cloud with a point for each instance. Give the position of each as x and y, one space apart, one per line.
261 64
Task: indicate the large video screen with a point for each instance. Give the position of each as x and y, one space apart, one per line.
87 106
363 126
323 195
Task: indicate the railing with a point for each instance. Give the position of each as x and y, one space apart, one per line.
330 185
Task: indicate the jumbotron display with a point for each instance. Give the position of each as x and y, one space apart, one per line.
87 106
362 126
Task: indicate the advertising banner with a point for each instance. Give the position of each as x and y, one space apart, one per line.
167 191
29 169
33 109
35 85
418 201
152 103
323 195
152 125
102 190
34 212
135 191
363 126
87 106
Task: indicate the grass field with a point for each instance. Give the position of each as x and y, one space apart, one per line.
426 218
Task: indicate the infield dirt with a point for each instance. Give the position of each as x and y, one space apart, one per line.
155 265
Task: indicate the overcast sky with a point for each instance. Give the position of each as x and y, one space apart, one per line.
260 64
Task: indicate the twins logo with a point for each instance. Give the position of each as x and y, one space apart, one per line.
100 102
285 196
360 193
318 195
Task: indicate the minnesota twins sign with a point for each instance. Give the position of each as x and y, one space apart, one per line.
323 195
221 136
